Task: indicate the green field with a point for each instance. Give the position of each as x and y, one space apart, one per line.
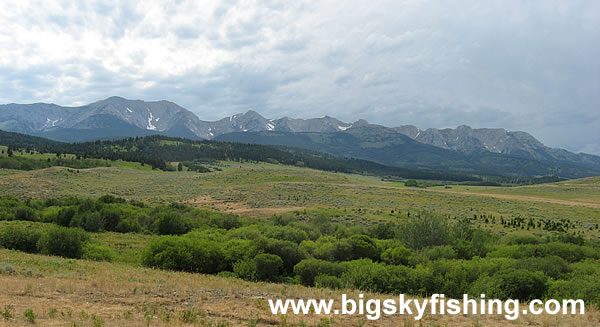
585 191
263 189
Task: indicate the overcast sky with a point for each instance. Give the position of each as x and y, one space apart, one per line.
521 65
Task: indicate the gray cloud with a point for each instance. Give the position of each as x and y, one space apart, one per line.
520 65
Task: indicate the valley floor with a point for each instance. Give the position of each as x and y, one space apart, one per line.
261 190
64 292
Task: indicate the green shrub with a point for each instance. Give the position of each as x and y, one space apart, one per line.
411 183
50 214
512 239
287 233
417 281
581 287
455 277
363 247
64 216
308 269
399 255
263 267
384 231
5 215
25 213
439 252
98 252
268 267
7 268
342 250
462 249
326 281
183 253
64 242
227 222
367 276
107 199
326 250
335 250
425 229
170 223
128 226
519 284
20 238
308 246
86 205
91 222
567 251
288 251
30 316
569 238
8 313
238 250
111 216
245 233
245 269
553 266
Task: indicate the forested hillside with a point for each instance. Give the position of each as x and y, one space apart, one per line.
157 151
387 147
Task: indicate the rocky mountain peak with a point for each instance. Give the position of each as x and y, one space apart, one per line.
118 117
360 123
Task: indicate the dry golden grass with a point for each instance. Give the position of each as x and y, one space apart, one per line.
64 292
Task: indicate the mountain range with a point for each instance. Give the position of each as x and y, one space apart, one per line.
463 148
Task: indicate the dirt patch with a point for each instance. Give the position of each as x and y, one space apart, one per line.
263 212
238 208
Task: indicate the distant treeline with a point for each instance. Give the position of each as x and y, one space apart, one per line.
497 180
157 151
27 163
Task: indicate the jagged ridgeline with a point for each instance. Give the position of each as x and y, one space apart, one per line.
476 151
158 151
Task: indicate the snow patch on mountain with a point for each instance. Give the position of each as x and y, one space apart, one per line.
50 122
150 119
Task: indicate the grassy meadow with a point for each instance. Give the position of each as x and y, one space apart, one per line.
76 292
260 190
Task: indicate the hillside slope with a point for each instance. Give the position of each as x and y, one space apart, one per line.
385 146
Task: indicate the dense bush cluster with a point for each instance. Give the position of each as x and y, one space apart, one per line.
55 240
419 255
27 163
109 213
423 255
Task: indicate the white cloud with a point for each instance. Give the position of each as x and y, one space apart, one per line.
519 65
